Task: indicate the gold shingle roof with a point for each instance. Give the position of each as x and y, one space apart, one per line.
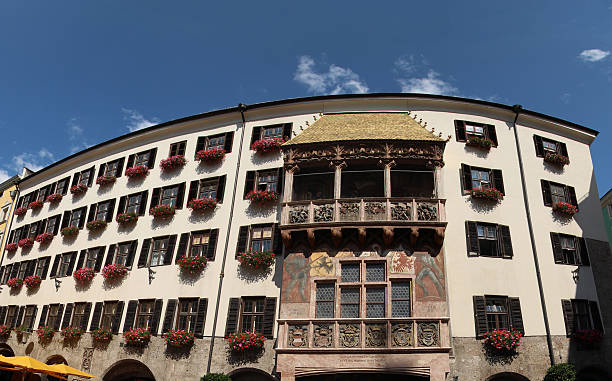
363 126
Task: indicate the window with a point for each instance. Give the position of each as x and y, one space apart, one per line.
85 177
101 210
178 148
108 314
549 146
219 141
7 273
28 317
41 265
325 300
208 188
66 263
375 302
261 238
497 313
53 316
142 158
11 315
375 272
349 302
350 272
78 315
581 314
76 216
199 244
158 251
488 240
474 130
169 195
92 256
133 203
569 250
480 179
252 314
187 314
555 192
568 245
475 177
400 299
62 186
52 223
112 168
172 195
23 267
609 207
145 313
216 142
33 230
5 211
272 131
465 130
544 146
123 252
267 181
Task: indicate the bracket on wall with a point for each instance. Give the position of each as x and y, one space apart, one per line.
57 284
151 274
576 275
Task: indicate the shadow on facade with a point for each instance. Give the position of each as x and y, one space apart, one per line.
128 370
250 374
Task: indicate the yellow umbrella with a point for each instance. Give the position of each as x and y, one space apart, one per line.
27 363
68 370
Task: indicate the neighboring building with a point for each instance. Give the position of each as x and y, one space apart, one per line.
8 194
606 210
385 264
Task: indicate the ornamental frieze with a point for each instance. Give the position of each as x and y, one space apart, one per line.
323 336
350 335
298 336
376 335
401 334
428 334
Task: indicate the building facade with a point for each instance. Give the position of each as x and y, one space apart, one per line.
606 210
8 195
393 255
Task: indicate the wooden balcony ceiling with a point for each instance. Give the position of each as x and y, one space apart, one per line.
363 126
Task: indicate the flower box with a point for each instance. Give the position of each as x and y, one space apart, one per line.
588 337
114 272
105 180
37 204
137 171
565 208
69 231
21 330
78 189
192 265
126 218
256 259
173 162
137 337
20 211
45 333
556 159
479 142
210 155
44 237
262 197
489 194
179 338
84 275
101 335
96 225
14 283
25 243
55 197
11 247
5 331
245 341
32 281
202 204
162 211
503 341
267 145
71 334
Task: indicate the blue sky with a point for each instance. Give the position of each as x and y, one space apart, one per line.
75 73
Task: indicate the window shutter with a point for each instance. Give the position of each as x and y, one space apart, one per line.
516 317
42 225
571 193
31 267
110 255
506 242
144 253
563 149
130 259
3 314
97 314
122 203
58 319
55 265
157 309
169 316
269 317
99 258
57 224
201 317
556 247
460 131
24 231
20 202
480 316
155 197
82 218
582 251
130 315
13 320
498 180
81 259
539 146
249 185
231 326
46 267
86 316
20 316
110 211
75 178
467 177
143 203
201 143
120 167
281 183
67 315
221 188
568 316
180 196
229 140
182 247
255 134
546 195
277 243
117 317
287 131
15 270
66 219
243 237
43 316
130 161
31 325
595 316
92 171
193 190
10 240
72 263
152 154
170 251
471 235
492 134
212 244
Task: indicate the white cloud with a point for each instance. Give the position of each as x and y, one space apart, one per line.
76 137
136 121
4 175
593 55
417 77
337 80
33 161
566 97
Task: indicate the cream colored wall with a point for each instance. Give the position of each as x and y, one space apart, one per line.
5 199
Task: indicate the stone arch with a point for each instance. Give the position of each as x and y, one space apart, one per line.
592 373
6 350
52 360
128 370
507 376
250 374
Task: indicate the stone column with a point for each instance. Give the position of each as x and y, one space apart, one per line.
387 164
288 188
338 166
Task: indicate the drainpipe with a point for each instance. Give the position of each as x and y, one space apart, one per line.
242 108
517 110
7 227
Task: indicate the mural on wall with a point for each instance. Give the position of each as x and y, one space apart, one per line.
295 279
401 263
429 276
321 265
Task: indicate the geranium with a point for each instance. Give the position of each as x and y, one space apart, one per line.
192 265
267 145
11 247
202 204
20 211
173 162
32 281
245 341
114 272
25 243
78 189
5 331
101 335
69 231
588 336
179 338
490 194
84 275
14 283
565 208
21 330
71 333
137 171
105 180
162 211
96 225
36 204
256 259
44 237
481 142
556 158
45 333
503 340
137 337
55 197
210 155
262 197
126 218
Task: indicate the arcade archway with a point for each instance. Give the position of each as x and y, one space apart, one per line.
128 370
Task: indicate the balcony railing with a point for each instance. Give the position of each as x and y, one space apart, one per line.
359 335
349 211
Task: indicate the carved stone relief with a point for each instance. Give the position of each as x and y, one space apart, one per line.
298 336
323 336
428 334
350 335
376 335
401 335
427 212
324 213
401 211
298 214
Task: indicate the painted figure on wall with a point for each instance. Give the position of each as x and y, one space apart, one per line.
295 279
321 265
430 277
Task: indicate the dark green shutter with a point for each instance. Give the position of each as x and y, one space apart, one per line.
233 311
212 244
142 208
229 140
56 262
221 188
201 317
582 251
132 253
255 135
169 316
43 316
556 247
568 317
498 180
170 251
269 317
110 255
97 315
516 317
539 146
480 316
546 195
595 316
466 172
86 316
130 315
471 235
180 196
152 154
249 184
243 237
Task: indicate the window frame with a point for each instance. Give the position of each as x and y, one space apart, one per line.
160 258
119 254
252 239
270 186
190 316
173 197
41 263
497 315
204 248
78 314
84 180
141 314
97 206
213 180
65 261
128 205
177 148
62 186
252 300
108 315
53 314
29 315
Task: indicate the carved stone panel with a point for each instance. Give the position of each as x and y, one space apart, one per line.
323 336
376 335
428 334
350 335
401 335
87 356
401 211
427 211
349 211
375 211
298 214
298 336
324 213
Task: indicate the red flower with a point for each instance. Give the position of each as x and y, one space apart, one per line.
44 237
490 194
245 341
78 189
256 259
210 155
84 275
202 204
21 211
267 145
556 158
25 243
137 171
5 331
96 225
192 265
32 281
126 218
162 211
137 337
588 336
55 197
14 283
114 272
173 162
262 197
11 247
105 180
480 142
45 333
37 204
503 340
101 335
69 231
565 208
179 338
71 333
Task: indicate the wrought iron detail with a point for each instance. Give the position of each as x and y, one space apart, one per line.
401 335
428 334
350 335
401 211
298 336
323 336
427 212
298 215
376 335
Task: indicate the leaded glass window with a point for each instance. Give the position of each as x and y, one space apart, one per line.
375 272
400 299
349 302
351 272
375 302
326 296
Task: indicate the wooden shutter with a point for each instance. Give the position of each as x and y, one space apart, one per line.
516 317
92 212
43 316
221 188
571 195
144 253
287 131
130 315
130 161
212 244
157 309
120 167
122 203
255 134
155 197
66 218
99 258
280 182
505 241
15 270
110 255
201 143
243 237
595 316
67 315
582 251
269 317
117 317
20 316
152 154
31 268
546 195
539 146
130 259
466 174
231 326
249 185
480 316
498 180
58 319
180 196
229 140
110 211
72 263
170 251
563 149
555 239
55 265
57 224
97 315
82 218
86 316
460 131
193 190
182 247
201 317
45 267
81 259
277 243
169 316
3 314
92 172
75 178
31 325
143 203
492 134
568 316
471 235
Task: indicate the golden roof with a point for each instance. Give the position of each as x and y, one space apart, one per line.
363 126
